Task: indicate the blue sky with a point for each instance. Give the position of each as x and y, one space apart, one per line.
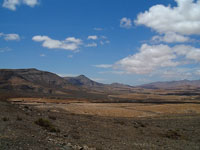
126 41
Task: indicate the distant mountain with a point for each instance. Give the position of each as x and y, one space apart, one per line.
182 84
119 85
82 81
32 80
92 86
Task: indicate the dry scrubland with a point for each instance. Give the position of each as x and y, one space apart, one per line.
141 103
43 111
111 109
154 119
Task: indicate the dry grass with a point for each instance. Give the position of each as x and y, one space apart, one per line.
124 109
111 109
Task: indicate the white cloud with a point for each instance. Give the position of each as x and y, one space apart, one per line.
171 37
10 37
152 58
104 42
125 23
92 37
197 72
103 37
103 66
30 3
148 59
91 45
183 18
73 40
178 73
69 43
12 4
189 52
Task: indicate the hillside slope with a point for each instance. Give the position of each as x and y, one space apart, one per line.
33 80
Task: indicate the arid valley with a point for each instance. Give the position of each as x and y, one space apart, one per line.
91 115
99 74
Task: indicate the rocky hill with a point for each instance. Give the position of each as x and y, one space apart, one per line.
33 81
83 81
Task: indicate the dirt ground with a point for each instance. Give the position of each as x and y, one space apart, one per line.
83 125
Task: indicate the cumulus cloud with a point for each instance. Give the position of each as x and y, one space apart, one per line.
92 37
197 72
183 18
171 37
69 43
175 73
148 59
30 3
153 57
126 23
104 42
189 52
10 37
12 4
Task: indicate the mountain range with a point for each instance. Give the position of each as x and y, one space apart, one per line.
34 82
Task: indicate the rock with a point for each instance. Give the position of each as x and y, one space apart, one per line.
67 148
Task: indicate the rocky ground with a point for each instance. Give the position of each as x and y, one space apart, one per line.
24 127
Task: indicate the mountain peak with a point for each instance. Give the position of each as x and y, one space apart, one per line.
82 76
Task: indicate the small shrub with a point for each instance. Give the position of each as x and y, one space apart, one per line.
172 134
53 129
5 119
52 117
43 122
46 124
26 107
